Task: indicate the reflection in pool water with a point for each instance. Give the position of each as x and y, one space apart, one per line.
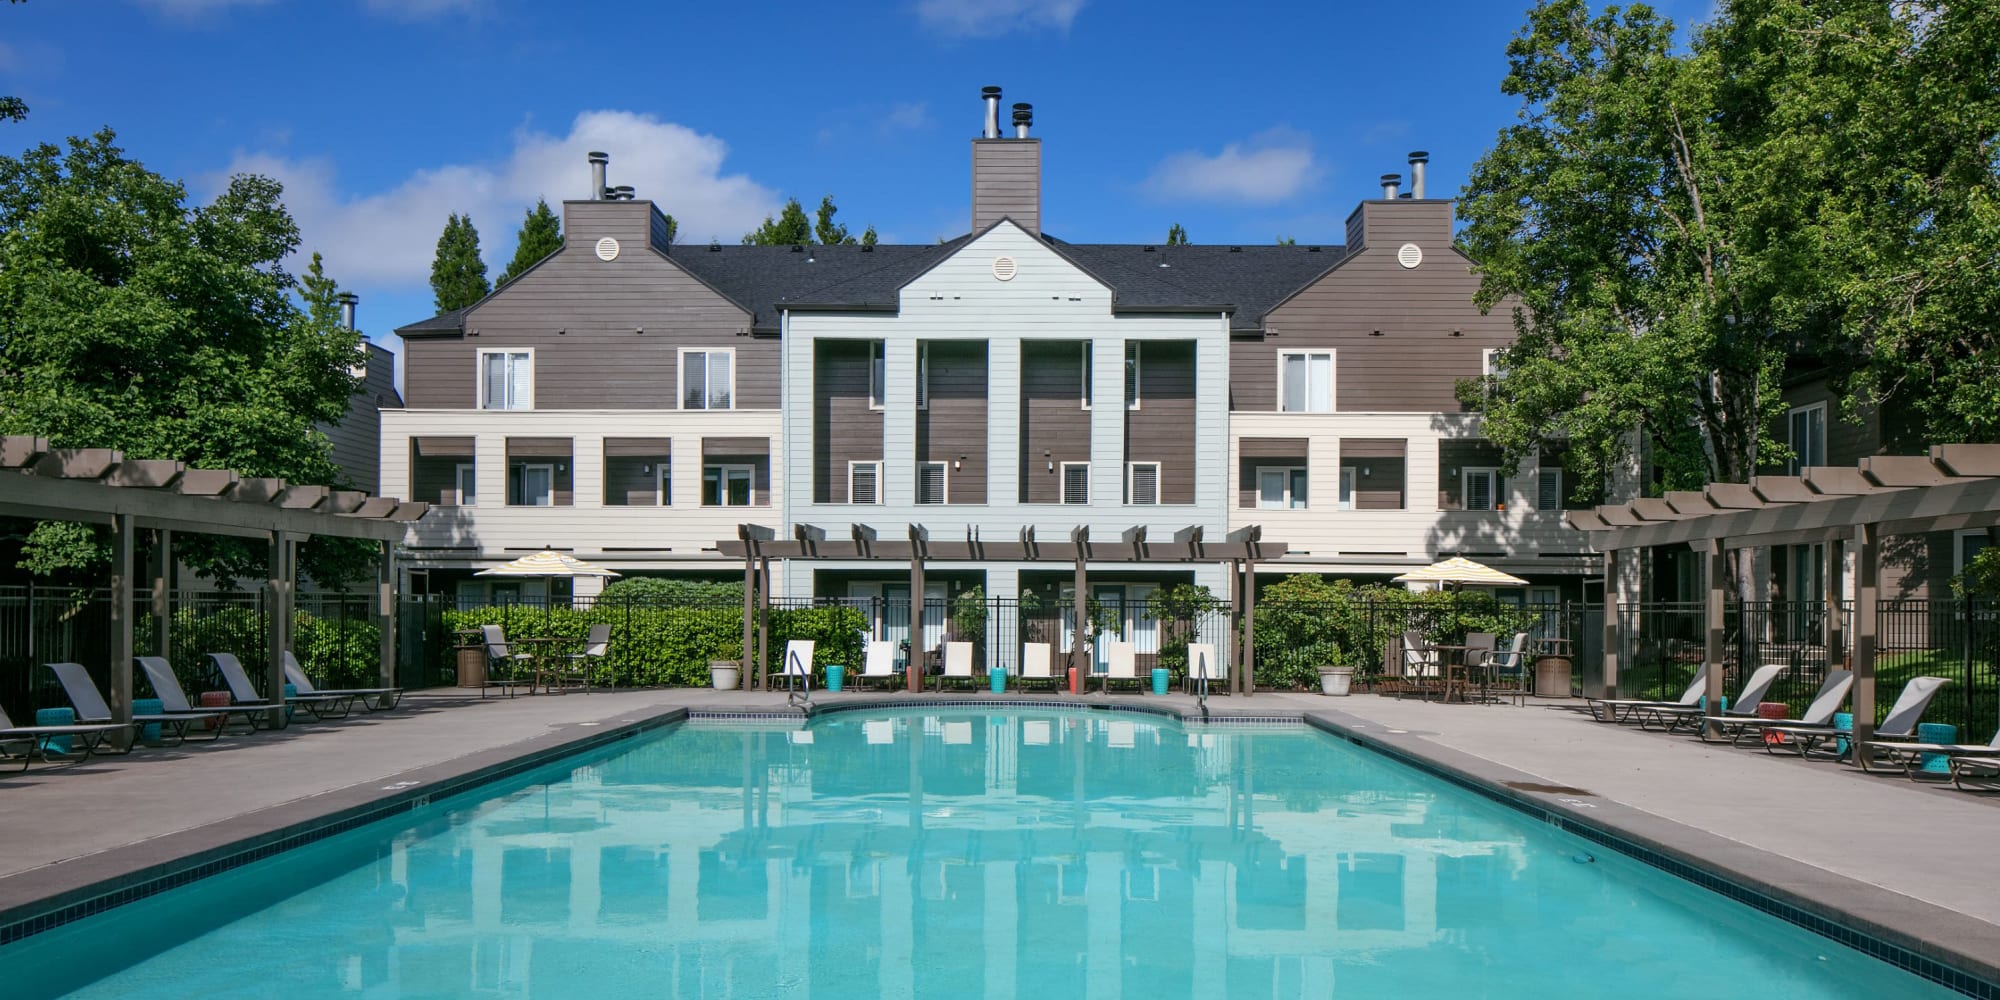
946 853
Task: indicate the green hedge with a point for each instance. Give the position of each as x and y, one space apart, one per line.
1305 622
336 652
655 646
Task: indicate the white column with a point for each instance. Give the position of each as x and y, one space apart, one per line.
1211 429
684 489
899 423
586 470
1003 641
489 467
1003 422
1107 423
1421 475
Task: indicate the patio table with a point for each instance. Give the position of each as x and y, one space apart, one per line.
538 647
1455 674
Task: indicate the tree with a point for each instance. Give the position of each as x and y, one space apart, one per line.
868 237
137 321
320 294
828 231
540 236
1288 241
673 228
790 228
1176 236
458 275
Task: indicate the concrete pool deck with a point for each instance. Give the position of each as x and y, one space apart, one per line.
1911 863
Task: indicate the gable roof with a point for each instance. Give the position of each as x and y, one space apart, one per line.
1249 280
769 279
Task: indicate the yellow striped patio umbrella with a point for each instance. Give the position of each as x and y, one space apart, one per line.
1461 571
547 562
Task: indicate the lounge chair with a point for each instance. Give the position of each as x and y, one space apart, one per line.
1204 664
1911 755
1035 664
319 706
879 663
1673 717
91 708
1506 665
1899 724
1832 692
1607 709
1965 771
1422 667
958 662
372 699
1121 663
503 665
596 651
38 738
798 662
167 687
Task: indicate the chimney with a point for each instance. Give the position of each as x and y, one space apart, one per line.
991 95
1006 171
598 161
1390 182
347 302
1418 159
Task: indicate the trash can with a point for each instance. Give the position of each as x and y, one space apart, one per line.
472 666
834 673
1552 677
996 680
1159 680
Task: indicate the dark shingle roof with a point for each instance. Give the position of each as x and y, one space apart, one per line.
767 279
445 322
1250 279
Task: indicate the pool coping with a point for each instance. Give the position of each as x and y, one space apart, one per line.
44 898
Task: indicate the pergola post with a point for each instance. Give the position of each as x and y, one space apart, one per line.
913 672
1248 684
1613 641
1867 581
122 532
1229 642
282 580
163 575
749 613
1832 629
1078 662
385 610
763 622
1715 560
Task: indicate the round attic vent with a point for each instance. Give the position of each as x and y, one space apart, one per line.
1003 268
607 249
1409 255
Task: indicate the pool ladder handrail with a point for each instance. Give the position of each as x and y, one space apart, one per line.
798 682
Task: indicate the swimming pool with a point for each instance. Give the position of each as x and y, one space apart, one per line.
941 852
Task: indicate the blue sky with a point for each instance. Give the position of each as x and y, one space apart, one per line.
1239 121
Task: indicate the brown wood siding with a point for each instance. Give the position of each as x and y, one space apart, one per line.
1381 474
1162 428
1847 441
538 447
1246 473
647 448
952 428
434 480
443 447
1456 456
735 446
1373 448
1260 447
1054 425
1007 182
1415 365
581 315
845 429
357 436
630 481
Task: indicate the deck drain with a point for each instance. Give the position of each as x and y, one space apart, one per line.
1536 786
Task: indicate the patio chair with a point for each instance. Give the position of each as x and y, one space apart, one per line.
879 664
1967 773
1607 709
1899 725
372 699
1912 755
1121 663
503 665
166 687
1422 667
37 738
92 709
319 706
798 662
1505 670
596 652
1832 692
1035 664
958 662
1673 717
1204 664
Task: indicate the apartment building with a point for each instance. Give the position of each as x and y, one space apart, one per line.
634 400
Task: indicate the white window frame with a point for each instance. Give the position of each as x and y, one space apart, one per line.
1497 481
924 375
1489 364
722 477
1332 380
1134 385
479 376
1086 373
1062 483
944 484
1800 461
464 474
1131 495
525 467
1286 500
878 374
875 464
707 388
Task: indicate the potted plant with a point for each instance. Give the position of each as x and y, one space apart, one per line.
1333 680
727 668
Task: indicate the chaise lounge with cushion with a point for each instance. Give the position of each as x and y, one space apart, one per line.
1899 725
1818 715
372 699
38 738
91 708
1672 717
319 706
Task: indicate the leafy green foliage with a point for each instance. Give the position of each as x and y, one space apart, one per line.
1305 622
671 645
968 614
458 274
660 590
790 228
826 230
335 652
868 238
540 236
1288 241
1177 236
1981 578
1181 610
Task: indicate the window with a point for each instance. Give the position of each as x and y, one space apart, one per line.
1808 438
726 485
1086 374
1483 489
932 482
864 482
1131 376
1346 488
1549 488
708 380
1142 483
533 484
506 380
1966 546
664 481
1305 381
1281 487
1076 482
468 485
878 375
923 376
1490 366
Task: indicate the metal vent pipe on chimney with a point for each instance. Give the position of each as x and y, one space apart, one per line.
1418 159
1024 116
991 95
598 161
1390 182
347 302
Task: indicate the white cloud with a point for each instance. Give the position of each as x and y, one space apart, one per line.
996 17
1270 166
386 239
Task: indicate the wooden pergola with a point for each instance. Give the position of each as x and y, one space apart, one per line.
1953 488
102 486
1240 551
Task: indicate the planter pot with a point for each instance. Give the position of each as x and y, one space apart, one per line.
1335 681
723 674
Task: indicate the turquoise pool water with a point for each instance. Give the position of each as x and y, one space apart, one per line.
938 853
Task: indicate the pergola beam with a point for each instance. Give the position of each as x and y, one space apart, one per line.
1966 503
90 501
